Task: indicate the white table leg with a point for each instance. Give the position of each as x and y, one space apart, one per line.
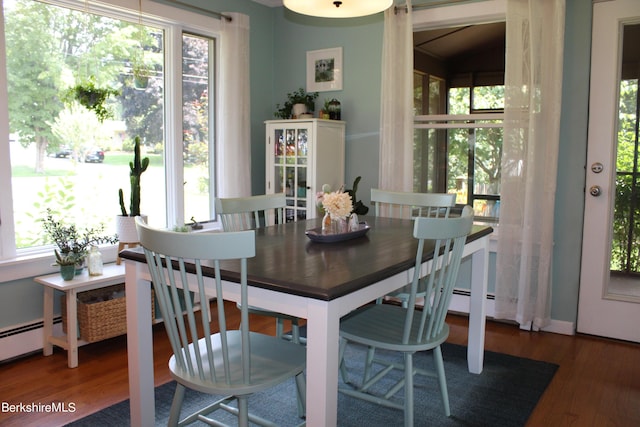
322 364
72 328
47 329
139 347
477 309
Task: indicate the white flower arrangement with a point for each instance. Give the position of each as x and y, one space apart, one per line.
338 204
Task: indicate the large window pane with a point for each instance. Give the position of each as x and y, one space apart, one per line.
65 156
196 72
429 145
625 250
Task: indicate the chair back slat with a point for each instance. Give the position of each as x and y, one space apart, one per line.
449 237
247 213
176 288
398 204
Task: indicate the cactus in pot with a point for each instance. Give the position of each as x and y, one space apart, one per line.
137 167
125 223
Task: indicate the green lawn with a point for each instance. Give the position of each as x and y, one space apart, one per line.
119 159
65 167
22 171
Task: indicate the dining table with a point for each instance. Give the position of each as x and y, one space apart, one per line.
320 281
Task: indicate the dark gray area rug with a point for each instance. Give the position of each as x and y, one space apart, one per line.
504 395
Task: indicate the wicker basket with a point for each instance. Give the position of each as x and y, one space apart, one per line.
102 313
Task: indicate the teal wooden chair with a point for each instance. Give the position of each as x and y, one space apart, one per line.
408 329
247 213
399 204
230 363
396 204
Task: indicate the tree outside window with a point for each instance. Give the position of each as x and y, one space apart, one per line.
453 156
66 157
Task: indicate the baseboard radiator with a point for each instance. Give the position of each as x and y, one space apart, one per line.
20 340
461 301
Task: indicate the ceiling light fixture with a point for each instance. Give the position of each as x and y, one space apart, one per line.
337 9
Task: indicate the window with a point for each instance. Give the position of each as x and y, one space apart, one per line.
625 256
197 73
73 159
429 144
458 113
461 152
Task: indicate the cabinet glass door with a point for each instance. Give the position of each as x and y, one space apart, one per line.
290 169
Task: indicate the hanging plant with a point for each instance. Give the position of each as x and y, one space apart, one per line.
141 75
92 97
141 67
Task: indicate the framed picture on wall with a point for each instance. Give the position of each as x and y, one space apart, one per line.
324 70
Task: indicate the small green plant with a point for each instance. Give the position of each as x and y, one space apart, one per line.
65 259
299 96
72 244
137 167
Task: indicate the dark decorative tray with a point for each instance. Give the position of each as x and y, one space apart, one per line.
317 235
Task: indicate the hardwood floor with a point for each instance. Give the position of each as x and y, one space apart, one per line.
597 384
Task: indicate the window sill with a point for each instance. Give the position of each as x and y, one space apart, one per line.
38 263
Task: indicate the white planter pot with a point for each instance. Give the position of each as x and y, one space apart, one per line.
298 110
126 228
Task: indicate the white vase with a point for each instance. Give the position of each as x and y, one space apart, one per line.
126 228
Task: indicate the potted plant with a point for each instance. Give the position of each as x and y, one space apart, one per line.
72 245
67 265
141 68
141 75
92 97
324 113
125 223
298 102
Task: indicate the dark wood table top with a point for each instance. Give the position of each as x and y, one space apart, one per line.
288 261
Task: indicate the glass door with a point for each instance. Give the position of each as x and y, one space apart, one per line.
610 277
291 146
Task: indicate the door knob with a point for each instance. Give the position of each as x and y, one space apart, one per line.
595 190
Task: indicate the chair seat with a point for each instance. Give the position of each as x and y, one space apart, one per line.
273 360
381 326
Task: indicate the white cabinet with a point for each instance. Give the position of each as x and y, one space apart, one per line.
303 155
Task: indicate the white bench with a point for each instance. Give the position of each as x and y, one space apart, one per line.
113 274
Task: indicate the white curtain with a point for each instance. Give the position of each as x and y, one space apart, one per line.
396 121
533 86
233 150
